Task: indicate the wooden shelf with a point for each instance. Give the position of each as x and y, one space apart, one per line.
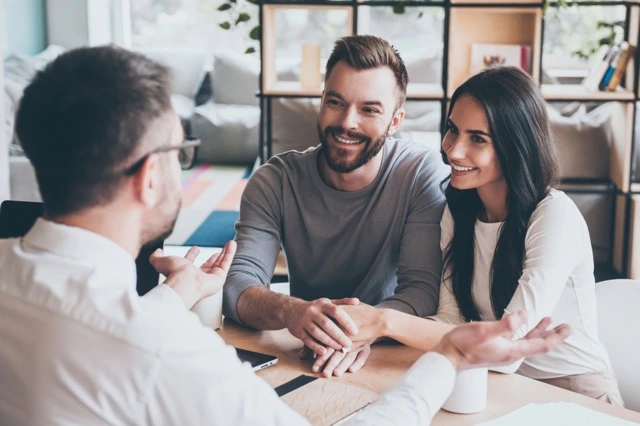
292 88
575 92
415 91
508 26
510 22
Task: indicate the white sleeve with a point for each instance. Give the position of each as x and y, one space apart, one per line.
415 398
556 235
448 310
199 380
164 293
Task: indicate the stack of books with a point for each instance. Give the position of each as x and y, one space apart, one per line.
608 67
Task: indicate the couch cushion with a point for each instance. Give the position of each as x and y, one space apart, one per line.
586 133
229 133
235 78
187 67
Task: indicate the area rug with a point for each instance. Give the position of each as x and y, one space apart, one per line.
210 204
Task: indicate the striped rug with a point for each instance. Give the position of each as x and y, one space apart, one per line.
210 204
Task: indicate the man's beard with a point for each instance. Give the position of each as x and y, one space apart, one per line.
338 162
159 227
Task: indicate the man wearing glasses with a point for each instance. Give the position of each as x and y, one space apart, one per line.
78 344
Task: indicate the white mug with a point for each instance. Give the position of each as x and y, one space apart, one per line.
469 393
209 310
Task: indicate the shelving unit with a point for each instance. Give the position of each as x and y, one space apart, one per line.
501 22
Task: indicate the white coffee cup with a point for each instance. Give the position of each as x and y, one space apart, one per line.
469 393
209 310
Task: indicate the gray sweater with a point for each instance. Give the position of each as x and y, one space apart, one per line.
380 244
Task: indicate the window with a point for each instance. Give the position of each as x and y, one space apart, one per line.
190 24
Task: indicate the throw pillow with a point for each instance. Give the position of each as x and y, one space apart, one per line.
235 78
583 142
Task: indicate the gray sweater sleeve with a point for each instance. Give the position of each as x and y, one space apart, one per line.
258 235
420 258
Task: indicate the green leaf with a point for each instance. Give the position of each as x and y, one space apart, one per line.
250 50
256 2
254 34
233 1
243 17
398 9
225 25
224 7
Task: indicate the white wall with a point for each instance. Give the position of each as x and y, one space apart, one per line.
4 144
75 23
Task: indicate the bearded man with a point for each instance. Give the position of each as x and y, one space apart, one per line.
357 216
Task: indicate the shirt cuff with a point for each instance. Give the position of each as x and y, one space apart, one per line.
166 294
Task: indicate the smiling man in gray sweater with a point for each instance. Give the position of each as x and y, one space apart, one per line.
357 216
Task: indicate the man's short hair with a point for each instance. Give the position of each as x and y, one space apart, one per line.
83 118
363 52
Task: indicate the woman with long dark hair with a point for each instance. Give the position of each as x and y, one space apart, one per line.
509 240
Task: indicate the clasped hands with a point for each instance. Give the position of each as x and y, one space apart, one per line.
331 335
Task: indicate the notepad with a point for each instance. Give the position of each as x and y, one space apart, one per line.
337 401
556 413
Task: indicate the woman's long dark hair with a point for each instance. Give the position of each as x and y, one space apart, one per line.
519 128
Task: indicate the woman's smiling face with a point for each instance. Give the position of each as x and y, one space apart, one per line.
469 147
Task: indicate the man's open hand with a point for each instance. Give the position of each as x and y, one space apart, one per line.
490 343
192 283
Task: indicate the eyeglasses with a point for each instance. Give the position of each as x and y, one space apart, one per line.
186 155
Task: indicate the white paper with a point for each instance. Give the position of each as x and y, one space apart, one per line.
556 413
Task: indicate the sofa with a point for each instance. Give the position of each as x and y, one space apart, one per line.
189 87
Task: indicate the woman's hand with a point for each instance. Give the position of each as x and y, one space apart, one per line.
371 322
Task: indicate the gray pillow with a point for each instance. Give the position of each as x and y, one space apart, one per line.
235 78
294 124
187 67
229 133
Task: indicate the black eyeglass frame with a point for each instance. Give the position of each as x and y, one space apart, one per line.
188 143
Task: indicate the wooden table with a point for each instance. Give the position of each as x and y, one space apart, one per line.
388 361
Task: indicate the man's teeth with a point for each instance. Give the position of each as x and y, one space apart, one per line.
348 141
462 169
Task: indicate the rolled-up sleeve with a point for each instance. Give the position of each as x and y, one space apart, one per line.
258 235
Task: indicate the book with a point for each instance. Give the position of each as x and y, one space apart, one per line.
613 61
598 66
487 55
626 53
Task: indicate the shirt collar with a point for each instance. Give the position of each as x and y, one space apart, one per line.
85 246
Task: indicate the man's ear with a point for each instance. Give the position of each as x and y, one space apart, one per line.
147 182
396 121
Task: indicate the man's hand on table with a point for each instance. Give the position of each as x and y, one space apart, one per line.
336 363
321 324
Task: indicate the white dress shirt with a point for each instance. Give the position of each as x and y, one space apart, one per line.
557 280
80 347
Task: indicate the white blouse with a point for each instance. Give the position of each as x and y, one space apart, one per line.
557 280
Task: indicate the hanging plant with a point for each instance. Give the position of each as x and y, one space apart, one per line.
237 17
